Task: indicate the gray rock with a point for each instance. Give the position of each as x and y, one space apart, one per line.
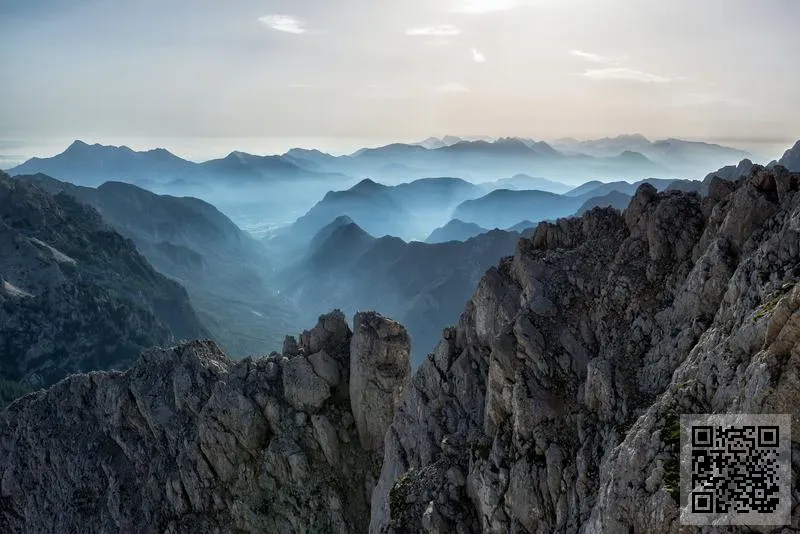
574 356
186 440
380 368
326 367
304 389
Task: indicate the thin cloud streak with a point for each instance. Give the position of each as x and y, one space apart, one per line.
625 74
478 56
596 58
438 31
283 23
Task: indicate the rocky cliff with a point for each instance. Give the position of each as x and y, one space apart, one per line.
549 407
224 270
75 295
422 285
791 158
189 441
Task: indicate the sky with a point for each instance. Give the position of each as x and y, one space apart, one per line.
268 75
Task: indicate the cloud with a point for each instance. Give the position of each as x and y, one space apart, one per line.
477 56
283 23
596 58
453 87
483 6
436 31
615 71
623 73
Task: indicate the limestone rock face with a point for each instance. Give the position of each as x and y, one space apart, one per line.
189 441
380 368
545 409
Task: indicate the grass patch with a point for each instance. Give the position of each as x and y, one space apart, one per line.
671 436
397 495
768 307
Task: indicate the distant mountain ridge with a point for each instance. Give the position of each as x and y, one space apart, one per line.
524 181
408 210
92 165
503 208
455 230
422 210
597 188
225 270
675 153
426 284
471 158
99 163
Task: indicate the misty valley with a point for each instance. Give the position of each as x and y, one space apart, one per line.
411 250
107 253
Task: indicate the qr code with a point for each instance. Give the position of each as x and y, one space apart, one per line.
735 469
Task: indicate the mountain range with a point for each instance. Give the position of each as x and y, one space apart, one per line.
261 193
677 154
409 210
76 296
424 284
474 159
251 189
553 404
225 270
415 210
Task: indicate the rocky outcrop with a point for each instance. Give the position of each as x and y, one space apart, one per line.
190 441
731 172
548 408
380 367
791 158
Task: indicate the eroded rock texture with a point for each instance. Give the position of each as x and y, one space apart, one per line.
189 441
548 408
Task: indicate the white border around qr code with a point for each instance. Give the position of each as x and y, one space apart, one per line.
782 513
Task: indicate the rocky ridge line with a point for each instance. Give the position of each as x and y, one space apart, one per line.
189 441
551 406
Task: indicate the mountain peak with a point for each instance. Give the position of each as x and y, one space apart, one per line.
239 157
633 137
633 156
301 152
791 158
81 147
342 220
367 184
77 144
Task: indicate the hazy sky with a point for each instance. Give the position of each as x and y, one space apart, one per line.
352 70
